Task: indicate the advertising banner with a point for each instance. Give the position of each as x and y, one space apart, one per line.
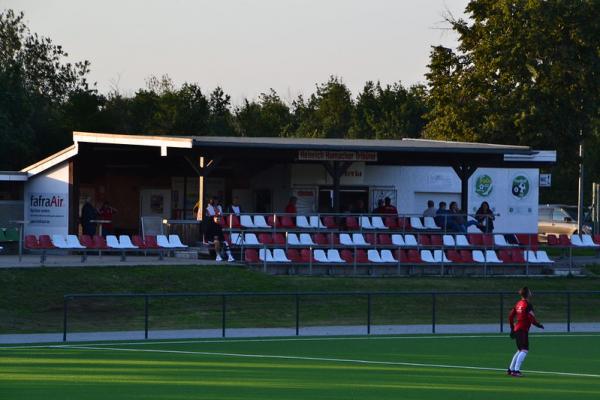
47 209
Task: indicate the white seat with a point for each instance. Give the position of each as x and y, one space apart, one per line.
448 240
461 241
334 256
265 255
426 256
237 239
125 242
246 221
302 222
345 239
415 223
315 222
377 223
531 257
492 257
397 239
113 242
440 256
176 241
320 256
410 240
387 256
73 242
59 241
430 223
478 256
250 239
280 256
260 222
359 240
373 256
306 240
500 241
576 241
161 240
588 241
365 223
292 239
542 256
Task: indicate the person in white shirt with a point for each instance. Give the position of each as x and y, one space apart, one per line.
235 208
430 211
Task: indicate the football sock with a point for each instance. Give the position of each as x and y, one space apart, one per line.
520 359
513 363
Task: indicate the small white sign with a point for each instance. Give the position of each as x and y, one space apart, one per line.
545 180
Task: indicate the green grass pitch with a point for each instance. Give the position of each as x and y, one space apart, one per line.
399 367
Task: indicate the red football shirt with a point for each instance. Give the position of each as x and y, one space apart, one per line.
521 311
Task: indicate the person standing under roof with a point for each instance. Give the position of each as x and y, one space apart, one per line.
430 210
388 208
88 214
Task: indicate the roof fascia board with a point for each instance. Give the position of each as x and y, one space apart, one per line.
540 156
133 140
13 176
52 161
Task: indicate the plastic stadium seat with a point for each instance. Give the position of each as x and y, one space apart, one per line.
306 255
365 223
576 241
588 241
302 222
454 256
273 222
387 257
500 241
12 234
374 256
329 222
294 255
552 240
315 222
461 241
73 242
265 238
250 239
162 241
251 256
246 221
378 223
385 239
2 236
440 257
361 256
87 241
531 257
125 242
436 240
150 242
100 242
410 240
401 255
279 256
424 241
467 256
427 257
347 255
476 239
359 240
398 240
334 256
333 238
518 256
293 240
174 240
260 222
448 241
346 240
429 223
31 242
306 240
137 240
320 239
488 240
505 256
371 238
523 239
287 222
391 222
233 221
45 242
491 257
415 223
404 223
597 238
564 240
320 256
478 256
59 241
279 239
352 224
265 255
542 257
413 256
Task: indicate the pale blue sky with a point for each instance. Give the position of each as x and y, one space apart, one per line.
246 46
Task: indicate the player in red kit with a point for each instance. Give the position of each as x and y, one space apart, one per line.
523 312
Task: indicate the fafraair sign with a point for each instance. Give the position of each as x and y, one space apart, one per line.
47 209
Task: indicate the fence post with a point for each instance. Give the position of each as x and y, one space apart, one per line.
568 311
223 311
65 313
297 314
146 317
433 312
501 312
368 313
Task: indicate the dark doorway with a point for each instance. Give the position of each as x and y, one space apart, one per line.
353 199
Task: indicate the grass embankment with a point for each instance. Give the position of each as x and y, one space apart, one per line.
32 299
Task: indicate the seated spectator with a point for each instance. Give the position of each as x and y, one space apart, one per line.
485 218
235 208
379 208
441 215
457 221
291 206
359 207
211 209
388 208
213 235
430 210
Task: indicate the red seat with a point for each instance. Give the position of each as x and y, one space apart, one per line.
279 239
333 238
274 222
251 256
352 223
329 222
306 255
424 240
466 256
99 242
476 239
294 255
533 240
454 256
287 222
391 222
401 256
518 256
371 238
233 221
436 240
31 242
523 238
361 256
596 238
347 256
414 256
488 240
45 242
564 240
385 239
137 240
552 240
86 241
265 238
320 239
150 242
404 223
505 256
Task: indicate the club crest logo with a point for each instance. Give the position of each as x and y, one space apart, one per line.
520 186
483 185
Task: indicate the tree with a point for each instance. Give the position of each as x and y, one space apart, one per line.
525 72
220 122
269 116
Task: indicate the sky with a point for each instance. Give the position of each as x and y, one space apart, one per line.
246 46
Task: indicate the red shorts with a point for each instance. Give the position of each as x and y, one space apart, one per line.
522 339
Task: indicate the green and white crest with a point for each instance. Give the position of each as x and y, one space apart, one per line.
483 185
520 186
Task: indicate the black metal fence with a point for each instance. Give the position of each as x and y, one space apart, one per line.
365 311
